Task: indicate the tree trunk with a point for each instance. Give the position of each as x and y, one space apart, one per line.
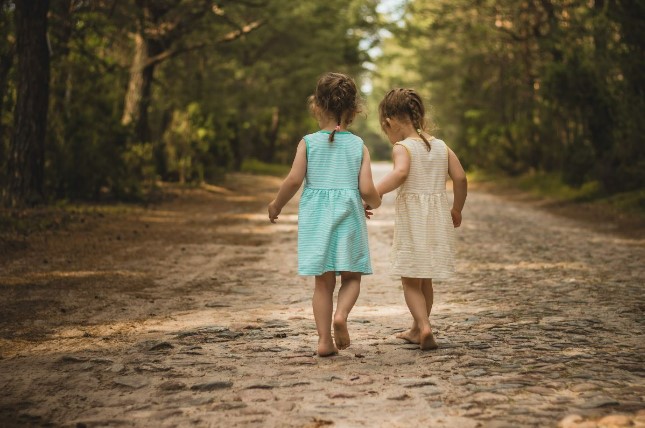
6 62
159 153
61 27
135 111
137 98
7 52
26 154
236 147
272 137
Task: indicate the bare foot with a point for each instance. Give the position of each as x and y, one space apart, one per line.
410 335
427 341
326 348
341 335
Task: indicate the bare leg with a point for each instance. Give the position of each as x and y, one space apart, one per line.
412 290
347 295
323 305
412 334
428 293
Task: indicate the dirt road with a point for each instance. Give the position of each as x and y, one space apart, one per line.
190 314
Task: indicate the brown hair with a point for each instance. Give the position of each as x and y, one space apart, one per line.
337 95
403 103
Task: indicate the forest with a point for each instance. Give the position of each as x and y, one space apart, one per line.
101 100
144 284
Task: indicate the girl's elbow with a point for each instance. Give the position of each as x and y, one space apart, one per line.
460 179
292 182
371 198
402 174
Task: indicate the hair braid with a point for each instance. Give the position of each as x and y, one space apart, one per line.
337 100
415 106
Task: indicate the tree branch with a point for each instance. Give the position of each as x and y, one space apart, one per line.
226 38
516 37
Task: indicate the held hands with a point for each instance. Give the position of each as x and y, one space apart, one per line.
368 212
456 217
274 212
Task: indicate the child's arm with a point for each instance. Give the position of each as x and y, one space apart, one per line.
399 173
291 184
366 183
459 187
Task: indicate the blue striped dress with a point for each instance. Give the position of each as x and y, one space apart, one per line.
332 233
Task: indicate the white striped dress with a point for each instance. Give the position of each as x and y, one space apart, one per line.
423 231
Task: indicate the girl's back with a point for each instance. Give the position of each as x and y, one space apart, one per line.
333 165
423 231
428 169
332 234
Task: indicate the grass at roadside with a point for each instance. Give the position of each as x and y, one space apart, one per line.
588 201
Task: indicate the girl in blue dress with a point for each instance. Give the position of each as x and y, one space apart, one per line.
332 233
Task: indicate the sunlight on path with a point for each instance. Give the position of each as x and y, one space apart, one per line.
540 322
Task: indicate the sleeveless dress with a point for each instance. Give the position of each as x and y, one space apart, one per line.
332 233
423 244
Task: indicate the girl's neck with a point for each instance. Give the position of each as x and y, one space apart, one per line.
410 132
332 127
329 124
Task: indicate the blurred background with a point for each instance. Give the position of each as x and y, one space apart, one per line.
104 99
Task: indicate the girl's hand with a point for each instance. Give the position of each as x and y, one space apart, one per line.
368 212
274 212
456 217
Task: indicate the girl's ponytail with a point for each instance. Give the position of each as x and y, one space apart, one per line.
331 136
339 99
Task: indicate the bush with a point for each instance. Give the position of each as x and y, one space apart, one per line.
254 166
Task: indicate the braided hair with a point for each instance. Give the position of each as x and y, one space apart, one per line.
337 95
405 103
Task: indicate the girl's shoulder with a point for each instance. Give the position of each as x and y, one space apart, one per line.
441 144
410 144
324 136
417 145
313 136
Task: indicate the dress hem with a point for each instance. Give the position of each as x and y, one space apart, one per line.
442 277
336 271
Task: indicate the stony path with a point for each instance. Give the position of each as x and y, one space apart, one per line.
543 324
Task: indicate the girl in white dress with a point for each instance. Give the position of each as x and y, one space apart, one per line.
423 247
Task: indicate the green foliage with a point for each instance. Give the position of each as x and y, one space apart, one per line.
219 100
89 155
547 86
193 149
